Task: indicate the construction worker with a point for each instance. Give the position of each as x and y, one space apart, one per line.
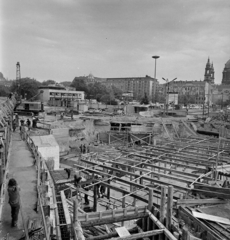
14 200
86 188
77 180
68 171
84 149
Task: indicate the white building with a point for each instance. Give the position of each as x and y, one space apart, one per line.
58 96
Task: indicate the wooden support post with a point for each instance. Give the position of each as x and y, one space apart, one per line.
169 208
167 233
150 203
75 210
150 208
131 186
162 206
108 191
123 206
141 180
152 175
95 198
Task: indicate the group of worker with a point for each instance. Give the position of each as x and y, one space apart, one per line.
100 189
23 124
84 149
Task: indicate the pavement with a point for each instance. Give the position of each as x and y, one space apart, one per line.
21 168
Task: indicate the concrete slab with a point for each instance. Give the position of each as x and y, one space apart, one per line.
22 169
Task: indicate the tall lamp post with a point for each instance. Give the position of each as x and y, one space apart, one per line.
155 71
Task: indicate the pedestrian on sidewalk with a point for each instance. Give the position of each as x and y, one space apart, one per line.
14 125
28 123
14 200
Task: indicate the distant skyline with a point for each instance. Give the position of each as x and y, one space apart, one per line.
63 39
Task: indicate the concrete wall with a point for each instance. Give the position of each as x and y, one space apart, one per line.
62 137
50 153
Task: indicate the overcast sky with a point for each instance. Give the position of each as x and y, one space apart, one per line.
61 39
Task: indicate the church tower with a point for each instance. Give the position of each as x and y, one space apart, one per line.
226 73
209 72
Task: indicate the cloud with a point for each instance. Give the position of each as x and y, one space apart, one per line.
115 38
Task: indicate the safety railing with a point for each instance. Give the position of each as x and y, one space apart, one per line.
42 167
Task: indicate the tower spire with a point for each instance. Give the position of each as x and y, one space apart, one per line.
18 71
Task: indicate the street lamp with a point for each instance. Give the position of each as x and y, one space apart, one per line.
155 57
167 82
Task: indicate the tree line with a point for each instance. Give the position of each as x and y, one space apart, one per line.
28 88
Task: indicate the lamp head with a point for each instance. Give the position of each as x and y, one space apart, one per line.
155 57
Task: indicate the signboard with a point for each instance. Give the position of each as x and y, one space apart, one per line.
172 98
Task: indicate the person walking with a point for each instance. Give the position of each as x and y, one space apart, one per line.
84 149
28 123
14 200
14 125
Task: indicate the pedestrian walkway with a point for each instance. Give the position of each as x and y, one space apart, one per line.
21 167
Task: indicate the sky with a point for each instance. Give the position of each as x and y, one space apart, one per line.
63 39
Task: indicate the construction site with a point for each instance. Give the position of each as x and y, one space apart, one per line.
104 176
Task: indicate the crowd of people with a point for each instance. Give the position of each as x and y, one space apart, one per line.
22 124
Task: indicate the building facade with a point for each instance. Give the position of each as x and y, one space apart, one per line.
56 96
139 86
189 92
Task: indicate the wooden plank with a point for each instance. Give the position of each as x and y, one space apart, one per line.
176 178
188 128
211 193
109 235
141 235
190 202
211 188
65 208
212 218
109 213
167 233
189 218
113 220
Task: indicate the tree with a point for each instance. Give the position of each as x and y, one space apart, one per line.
4 91
105 99
25 87
79 85
48 82
117 92
66 83
145 99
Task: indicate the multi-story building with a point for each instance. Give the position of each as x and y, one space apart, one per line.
192 92
138 85
60 96
188 91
